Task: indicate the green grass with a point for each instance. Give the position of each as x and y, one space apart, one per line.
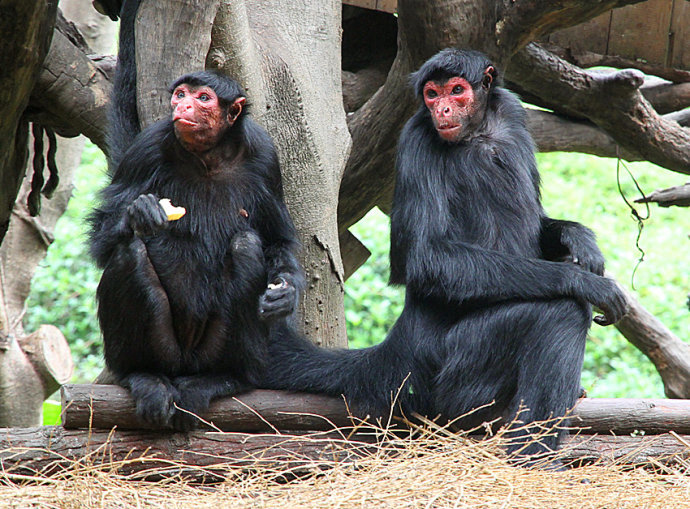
576 187
51 413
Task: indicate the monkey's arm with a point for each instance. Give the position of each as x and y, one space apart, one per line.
431 263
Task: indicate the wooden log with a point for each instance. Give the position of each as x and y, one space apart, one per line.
625 416
152 455
212 456
107 406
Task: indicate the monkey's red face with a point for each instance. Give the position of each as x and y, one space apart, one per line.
451 105
198 117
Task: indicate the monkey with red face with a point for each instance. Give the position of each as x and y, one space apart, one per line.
186 307
493 327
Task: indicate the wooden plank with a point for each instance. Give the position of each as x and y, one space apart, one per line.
641 31
592 35
387 5
680 35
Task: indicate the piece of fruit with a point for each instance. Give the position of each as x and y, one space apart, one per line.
174 213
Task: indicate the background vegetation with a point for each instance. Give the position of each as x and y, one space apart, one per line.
575 186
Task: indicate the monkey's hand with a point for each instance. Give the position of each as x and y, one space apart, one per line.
605 294
146 216
279 299
582 249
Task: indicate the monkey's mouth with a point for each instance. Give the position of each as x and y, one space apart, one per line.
185 122
449 131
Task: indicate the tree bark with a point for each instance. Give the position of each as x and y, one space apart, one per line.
299 52
27 28
171 38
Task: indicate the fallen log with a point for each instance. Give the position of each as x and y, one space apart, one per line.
107 406
33 453
50 451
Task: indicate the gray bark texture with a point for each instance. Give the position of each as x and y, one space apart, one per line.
293 52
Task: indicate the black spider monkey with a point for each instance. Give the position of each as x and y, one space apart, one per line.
489 321
186 307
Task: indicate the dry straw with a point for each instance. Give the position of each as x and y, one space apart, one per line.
427 467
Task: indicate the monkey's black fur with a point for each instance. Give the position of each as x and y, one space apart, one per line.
180 302
488 320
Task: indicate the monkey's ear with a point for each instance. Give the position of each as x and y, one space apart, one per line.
235 109
490 75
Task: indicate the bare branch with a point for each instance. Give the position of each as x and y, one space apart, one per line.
668 97
555 133
586 59
612 101
670 354
678 196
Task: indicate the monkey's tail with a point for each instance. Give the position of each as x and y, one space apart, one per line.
371 379
122 115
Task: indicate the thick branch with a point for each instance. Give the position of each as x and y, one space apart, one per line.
612 101
586 59
678 196
522 22
27 30
72 91
554 133
670 355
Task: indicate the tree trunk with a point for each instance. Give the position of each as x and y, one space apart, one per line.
33 367
27 28
294 54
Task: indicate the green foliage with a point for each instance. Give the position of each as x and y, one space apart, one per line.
371 306
580 188
64 286
583 188
51 412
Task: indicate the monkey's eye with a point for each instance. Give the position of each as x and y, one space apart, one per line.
204 97
179 94
431 94
457 90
